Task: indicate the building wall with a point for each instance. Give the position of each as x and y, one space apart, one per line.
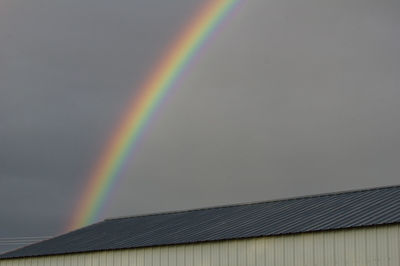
365 247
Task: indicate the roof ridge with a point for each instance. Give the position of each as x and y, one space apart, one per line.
254 202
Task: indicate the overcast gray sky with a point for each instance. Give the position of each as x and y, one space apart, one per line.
290 97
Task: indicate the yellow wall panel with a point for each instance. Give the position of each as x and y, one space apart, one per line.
206 254
133 257
251 252
319 240
188 255
156 256
329 249
215 254
171 255
394 246
148 257
140 257
197 256
164 256
241 252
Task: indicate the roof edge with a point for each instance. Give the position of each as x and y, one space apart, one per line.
253 202
200 242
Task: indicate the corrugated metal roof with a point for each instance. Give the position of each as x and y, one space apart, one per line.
298 215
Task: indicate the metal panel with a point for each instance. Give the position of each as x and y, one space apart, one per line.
164 256
394 246
206 254
215 254
180 256
197 257
223 254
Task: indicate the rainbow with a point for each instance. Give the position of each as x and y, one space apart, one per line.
143 105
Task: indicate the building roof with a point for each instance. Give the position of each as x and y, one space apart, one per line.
342 210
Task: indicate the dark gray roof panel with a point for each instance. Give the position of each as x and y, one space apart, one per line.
313 213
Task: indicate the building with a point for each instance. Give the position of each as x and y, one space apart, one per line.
348 228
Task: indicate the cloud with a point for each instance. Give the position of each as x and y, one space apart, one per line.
288 98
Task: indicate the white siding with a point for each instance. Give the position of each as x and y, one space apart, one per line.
373 246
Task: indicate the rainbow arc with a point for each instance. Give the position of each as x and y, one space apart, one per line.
141 108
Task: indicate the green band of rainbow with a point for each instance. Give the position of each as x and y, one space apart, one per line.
142 107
